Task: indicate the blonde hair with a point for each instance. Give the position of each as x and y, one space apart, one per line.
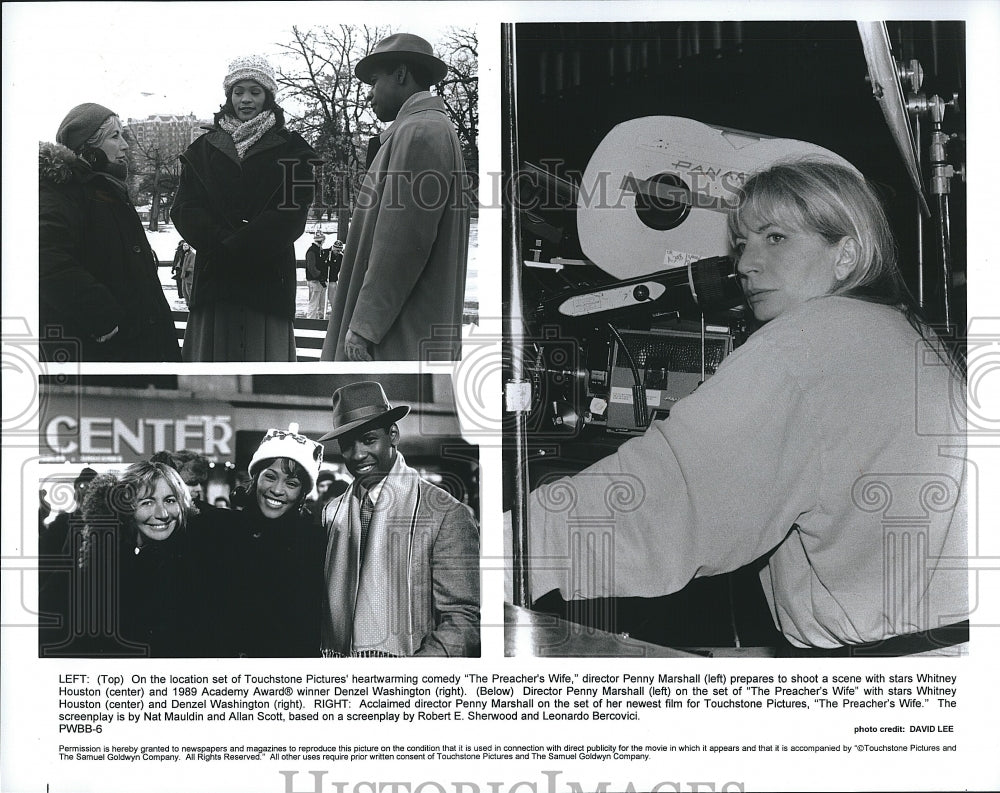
111 499
139 481
834 201
103 132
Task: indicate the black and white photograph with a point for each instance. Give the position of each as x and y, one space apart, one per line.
312 200
258 517
737 296
499 397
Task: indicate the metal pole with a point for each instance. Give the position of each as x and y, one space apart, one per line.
517 390
944 241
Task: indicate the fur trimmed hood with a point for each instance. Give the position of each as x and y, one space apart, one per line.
104 498
56 163
102 510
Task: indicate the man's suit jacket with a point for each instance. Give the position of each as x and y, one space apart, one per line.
430 560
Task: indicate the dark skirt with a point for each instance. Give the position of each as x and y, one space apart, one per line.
226 332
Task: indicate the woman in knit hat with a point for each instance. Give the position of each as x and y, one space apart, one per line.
245 191
276 580
100 297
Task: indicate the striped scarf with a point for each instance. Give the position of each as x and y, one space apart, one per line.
245 134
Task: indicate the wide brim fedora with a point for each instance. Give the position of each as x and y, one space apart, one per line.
361 405
405 47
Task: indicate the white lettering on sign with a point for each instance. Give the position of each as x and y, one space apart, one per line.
101 435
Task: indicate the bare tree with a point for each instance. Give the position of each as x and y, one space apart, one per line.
157 173
331 107
334 114
459 48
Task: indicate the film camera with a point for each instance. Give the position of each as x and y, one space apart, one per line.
630 297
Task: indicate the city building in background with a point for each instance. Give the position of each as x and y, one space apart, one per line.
169 132
107 422
156 143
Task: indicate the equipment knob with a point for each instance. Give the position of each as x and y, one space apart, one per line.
641 293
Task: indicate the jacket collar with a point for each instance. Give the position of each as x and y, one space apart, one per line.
58 164
223 141
418 103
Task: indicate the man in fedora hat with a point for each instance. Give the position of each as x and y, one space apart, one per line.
402 286
402 556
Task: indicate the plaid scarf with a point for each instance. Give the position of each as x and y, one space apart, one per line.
245 134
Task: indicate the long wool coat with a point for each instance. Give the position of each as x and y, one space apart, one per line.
243 218
402 283
96 269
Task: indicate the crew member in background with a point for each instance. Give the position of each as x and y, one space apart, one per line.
317 271
328 486
54 538
58 545
193 469
182 270
187 272
402 556
402 287
175 267
336 260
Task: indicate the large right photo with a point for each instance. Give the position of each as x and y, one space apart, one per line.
735 339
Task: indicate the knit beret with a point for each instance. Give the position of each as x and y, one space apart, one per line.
81 123
250 67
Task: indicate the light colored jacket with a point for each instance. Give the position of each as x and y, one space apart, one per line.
425 545
832 443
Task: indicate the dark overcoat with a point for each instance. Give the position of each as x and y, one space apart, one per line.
274 580
161 599
96 269
243 218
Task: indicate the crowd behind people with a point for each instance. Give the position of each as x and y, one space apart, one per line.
144 565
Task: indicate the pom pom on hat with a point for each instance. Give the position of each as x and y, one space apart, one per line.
288 443
250 67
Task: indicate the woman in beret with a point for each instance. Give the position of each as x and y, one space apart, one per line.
100 297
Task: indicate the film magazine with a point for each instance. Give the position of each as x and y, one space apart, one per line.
601 143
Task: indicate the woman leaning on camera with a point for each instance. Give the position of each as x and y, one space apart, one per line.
810 450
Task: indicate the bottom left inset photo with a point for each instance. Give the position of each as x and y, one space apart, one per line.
256 516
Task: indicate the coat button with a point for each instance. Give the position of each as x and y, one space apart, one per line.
136 249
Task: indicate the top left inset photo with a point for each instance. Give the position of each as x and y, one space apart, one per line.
307 193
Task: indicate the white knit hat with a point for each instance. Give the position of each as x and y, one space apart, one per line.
250 67
289 443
